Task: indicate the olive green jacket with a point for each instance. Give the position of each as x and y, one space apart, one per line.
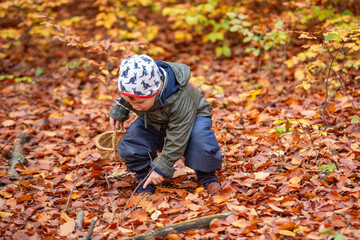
176 116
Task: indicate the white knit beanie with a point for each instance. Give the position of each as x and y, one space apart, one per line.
139 76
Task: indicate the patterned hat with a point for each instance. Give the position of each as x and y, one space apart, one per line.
139 77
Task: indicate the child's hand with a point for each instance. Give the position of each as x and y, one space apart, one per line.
115 124
154 178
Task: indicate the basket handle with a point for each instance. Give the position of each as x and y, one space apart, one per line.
114 138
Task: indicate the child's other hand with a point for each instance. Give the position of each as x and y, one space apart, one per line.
115 124
154 178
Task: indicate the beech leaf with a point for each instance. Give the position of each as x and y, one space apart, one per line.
67 228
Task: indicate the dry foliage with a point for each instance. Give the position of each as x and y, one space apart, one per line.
290 169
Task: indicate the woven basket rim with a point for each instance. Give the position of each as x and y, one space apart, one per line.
97 139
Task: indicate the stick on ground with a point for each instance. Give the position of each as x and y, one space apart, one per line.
91 230
197 223
17 154
79 220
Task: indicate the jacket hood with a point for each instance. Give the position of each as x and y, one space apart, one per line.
181 71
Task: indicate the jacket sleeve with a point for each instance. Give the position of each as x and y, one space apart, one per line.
181 122
119 111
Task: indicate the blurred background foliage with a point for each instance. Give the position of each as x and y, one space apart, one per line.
309 41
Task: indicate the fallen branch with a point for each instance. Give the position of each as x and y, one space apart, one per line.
17 154
197 223
79 220
91 230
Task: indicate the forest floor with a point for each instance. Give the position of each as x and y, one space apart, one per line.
287 172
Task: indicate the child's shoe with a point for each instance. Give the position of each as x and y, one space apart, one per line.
209 181
150 188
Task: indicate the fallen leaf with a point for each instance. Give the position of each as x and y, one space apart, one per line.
138 215
261 175
173 236
287 233
49 133
23 198
241 223
124 230
65 216
42 217
69 177
295 180
6 194
275 208
5 214
237 208
67 228
8 123
219 198
155 215
108 216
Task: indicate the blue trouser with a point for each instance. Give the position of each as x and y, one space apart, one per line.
139 145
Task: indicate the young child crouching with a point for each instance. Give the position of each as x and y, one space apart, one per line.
173 118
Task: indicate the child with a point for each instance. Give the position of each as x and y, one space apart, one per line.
173 118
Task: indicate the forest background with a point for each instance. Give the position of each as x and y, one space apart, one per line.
282 76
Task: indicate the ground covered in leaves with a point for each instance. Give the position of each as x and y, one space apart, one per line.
290 166
270 180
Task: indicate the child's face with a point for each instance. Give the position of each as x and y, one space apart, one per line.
140 104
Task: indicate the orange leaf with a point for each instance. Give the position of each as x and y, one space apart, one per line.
42 217
219 199
28 172
64 216
23 198
287 233
138 215
6 194
173 237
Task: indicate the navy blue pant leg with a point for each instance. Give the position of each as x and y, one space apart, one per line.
202 152
138 144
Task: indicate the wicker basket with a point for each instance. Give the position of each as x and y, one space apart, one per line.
107 143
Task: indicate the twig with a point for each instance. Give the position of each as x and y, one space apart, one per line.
139 201
311 141
107 180
133 193
347 95
143 180
328 76
112 207
7 143
68 201
87 207
285 54
91 210
91 230
280 156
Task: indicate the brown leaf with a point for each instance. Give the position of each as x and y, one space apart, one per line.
275 208
67 228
